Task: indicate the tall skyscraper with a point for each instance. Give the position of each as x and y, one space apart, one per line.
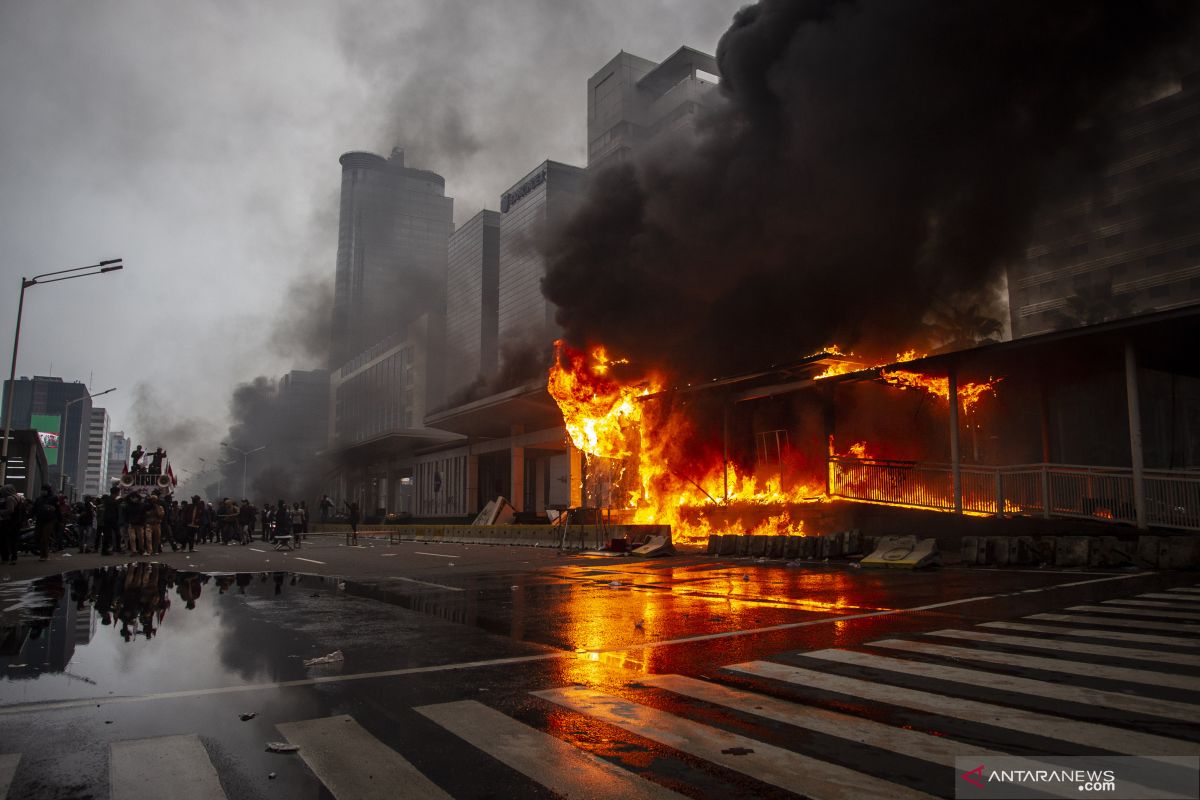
636 104
472 285
394 227
60 412
119 447
95 476
1133 248
544 197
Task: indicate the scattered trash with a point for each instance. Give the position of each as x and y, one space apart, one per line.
282 747
16 666
855 565
342 584
108 722
745 577
270 776
614 583
332 658
737 751
792 564
248 717
66 555
760 560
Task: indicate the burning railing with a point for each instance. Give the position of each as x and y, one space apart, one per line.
1047 490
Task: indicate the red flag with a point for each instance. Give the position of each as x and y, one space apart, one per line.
171 475
124 467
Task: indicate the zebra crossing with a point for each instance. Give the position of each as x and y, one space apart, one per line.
887 718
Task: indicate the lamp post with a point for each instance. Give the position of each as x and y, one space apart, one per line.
111 265
62 440
245 457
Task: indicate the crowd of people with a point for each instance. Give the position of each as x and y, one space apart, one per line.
143 523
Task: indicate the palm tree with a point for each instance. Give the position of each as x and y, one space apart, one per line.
955 328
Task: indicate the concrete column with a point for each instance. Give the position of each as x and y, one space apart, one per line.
472 488
517 470
1044 412
539 491
955 465
1136 456
575 475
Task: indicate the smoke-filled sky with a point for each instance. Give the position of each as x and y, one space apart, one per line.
872 159
199 142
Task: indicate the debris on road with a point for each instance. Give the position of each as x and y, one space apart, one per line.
282 747
247 717
332 658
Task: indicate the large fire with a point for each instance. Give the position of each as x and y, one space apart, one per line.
638 465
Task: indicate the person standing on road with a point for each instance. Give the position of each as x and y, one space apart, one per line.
85 518
246 521
353 509
109 517
135 516
283 522
46 515
297 523
10 523
154 519
326 508
193 522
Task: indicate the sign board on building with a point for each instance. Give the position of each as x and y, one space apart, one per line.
509 199
47 426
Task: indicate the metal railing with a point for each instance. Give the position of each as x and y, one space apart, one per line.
1046 490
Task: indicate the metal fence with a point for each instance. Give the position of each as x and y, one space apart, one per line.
1046 490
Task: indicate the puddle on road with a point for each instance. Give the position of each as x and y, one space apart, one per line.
139 628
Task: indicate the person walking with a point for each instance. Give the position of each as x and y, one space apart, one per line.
85 520
10 523
326 508
194 520
46 516
353 509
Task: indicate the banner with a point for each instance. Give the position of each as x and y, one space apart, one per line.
47 427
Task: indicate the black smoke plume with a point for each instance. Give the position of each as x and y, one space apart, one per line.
867 159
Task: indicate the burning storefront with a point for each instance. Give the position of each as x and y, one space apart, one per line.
1099 423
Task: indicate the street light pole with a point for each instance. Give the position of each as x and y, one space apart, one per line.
62 440
111 265
245 457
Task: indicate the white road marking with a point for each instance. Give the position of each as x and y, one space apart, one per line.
1177 606
1184 659
309 560
560 767
165 766
1120 636
1100 698
256 550
935 749
425 583
1185 598
1116 740
1125 674
1140 612
388 555
355 765
8 769
770 764
435 555
1113 622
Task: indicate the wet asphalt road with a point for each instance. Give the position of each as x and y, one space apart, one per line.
430 624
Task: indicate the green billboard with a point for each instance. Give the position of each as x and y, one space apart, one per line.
48 427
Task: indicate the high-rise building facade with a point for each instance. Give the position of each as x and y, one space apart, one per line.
394 226
119 447
1132 248
96 474
60 411
635 104
472 286
544 197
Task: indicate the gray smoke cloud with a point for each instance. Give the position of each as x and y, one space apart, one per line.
869 159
